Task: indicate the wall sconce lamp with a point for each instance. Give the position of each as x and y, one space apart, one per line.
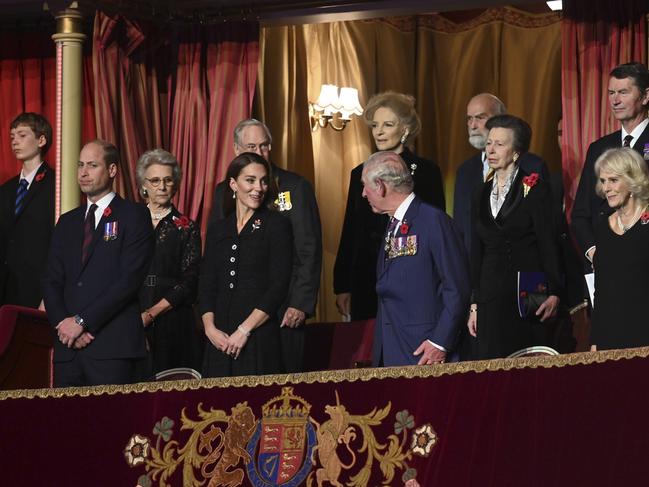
333 109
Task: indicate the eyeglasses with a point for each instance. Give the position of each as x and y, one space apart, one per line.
263 147
155 182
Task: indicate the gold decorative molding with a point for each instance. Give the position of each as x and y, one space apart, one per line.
437 22
337 376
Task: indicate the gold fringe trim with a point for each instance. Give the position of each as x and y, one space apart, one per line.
439 23
337 376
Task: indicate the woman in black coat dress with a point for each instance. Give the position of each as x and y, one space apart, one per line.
513 232
245 275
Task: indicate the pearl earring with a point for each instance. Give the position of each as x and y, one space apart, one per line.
234 194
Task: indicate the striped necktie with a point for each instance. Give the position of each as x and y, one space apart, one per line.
627 141
21 192
88 232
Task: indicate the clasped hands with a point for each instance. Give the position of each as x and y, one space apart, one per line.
228 344
72 335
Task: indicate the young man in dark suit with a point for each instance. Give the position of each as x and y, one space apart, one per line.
99 257
473 171
26 213
628 95
297 202
423 281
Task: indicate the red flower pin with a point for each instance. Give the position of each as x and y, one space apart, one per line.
39 177
403 228
107 212
529 182
182 222
644 218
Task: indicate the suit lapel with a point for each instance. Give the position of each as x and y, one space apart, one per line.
99 229
642 140
409 217
513 198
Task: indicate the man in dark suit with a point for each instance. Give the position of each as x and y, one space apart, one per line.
26 213
473 171
423 281
628 94
99 257
296 200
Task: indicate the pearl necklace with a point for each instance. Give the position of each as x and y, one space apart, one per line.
159 216
623 227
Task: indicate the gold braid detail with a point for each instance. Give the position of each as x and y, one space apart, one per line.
336 376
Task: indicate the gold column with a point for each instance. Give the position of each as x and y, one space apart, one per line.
69 39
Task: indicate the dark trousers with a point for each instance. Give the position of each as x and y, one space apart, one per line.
86 371
292 348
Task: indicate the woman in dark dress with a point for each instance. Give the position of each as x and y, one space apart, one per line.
169 291
245 275
621 260
395 124
513 232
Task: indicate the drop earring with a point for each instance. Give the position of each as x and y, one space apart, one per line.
234 195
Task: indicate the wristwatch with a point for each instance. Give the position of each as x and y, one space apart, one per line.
79 321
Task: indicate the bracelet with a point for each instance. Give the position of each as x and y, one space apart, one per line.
243 330
148 313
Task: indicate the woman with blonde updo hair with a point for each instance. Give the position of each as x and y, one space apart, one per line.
394 122
621 260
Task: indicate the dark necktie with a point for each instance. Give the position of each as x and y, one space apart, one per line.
627 141
388 234
21 192
88 232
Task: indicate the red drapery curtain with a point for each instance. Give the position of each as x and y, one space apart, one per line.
126 101
214 88
596 36
28 84
182 88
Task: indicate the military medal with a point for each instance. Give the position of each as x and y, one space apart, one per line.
403 246
110 231
283 201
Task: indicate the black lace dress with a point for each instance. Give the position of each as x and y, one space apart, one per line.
173 275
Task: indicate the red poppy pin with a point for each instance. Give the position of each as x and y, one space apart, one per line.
39 177
107 212
644 218
182 222
529 182
404 227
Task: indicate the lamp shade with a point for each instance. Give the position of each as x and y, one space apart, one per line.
349 104
328 100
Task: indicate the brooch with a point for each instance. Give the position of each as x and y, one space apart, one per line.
256 225
182 222
413 168
529 182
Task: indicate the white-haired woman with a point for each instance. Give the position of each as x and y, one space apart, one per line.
169 291
621 261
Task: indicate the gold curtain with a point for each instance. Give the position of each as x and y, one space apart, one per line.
512 54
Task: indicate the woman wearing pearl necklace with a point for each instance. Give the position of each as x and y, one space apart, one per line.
169 291
621 261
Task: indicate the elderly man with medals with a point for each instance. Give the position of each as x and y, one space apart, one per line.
423 282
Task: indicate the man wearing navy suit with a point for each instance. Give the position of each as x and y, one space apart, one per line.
472 172
422 270
628 95
26 213
99 256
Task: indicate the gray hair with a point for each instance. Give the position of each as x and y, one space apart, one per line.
628 165
157 156
250 122
388 167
